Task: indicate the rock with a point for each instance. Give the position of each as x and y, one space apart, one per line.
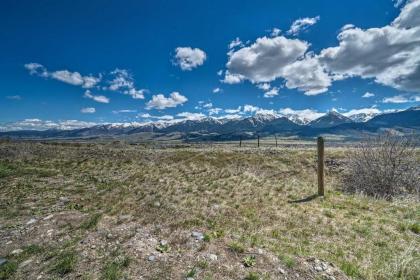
2 261
281 270
16 252
156 204
197 235
212 257
64 200
25 263
151 258
163 242
31 221
324 266
329 277
189 278
109 236
48 217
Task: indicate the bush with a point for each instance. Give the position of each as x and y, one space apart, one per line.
383 167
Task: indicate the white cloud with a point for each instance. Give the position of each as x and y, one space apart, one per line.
347 26
215 111
97 98
220 72
271 93
275 32
368 94
188 58
235 111
65 76
208 105
264 60
191 116
124 111
123 81
390 54
161 102
37 124
235 43
402 99
307 75
250 108
217 90
88 110
302 24
398 3
264 86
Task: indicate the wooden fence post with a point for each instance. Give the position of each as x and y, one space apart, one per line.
320 144
258 139
275 136
240 141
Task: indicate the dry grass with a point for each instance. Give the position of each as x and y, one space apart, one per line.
241 199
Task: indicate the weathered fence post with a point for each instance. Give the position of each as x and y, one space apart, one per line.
240 141
320 144
258 139
275 136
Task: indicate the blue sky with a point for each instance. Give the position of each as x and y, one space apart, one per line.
122 61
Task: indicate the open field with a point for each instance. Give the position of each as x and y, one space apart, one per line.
117 211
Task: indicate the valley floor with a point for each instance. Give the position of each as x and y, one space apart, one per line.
116 211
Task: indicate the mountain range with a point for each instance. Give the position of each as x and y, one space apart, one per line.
407 121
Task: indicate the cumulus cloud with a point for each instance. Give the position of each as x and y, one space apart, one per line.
88 110
37 124
390 55
123 81
97 98
307 75
66 76
264 86
217 90
188 58
271 93
214 111
264 60
160 102
250 108
302 24
368 95
403 98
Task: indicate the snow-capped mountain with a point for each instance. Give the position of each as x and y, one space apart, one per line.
330 119
362 117
266 123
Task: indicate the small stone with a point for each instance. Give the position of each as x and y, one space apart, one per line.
163 242
3 261
197 235
25 263
64 200
281 270
324 266
109 236
151 258
189 278
318 268
48 217
16 252
212 257
329 277
156 204
93 247
31 221
49 232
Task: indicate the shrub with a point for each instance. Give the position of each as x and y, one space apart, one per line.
383 167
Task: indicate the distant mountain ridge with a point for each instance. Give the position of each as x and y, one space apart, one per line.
249 127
